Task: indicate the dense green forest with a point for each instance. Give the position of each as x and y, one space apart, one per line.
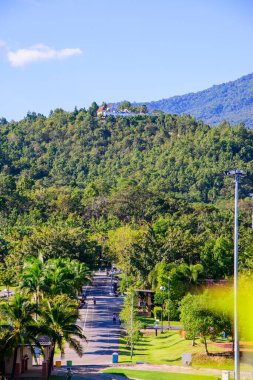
165 154
147 192
232 101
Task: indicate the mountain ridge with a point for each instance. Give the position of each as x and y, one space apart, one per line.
231 101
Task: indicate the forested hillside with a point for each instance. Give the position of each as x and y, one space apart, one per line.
165 154
232 101
140 190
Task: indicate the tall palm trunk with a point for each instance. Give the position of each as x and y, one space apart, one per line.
2 365
14 363
51 360
2 360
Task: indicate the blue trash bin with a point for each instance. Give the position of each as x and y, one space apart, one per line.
115 357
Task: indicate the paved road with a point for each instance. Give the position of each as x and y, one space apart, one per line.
96 322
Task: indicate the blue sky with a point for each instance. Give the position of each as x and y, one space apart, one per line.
67 53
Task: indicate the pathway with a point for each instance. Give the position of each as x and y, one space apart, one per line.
96 322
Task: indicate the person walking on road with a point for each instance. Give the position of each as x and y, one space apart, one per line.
82 302
118 319
114 318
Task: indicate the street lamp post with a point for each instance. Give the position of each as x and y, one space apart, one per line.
251 195
236 174
168 303
111 278
162 288
100 259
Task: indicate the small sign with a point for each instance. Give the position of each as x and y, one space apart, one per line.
186 359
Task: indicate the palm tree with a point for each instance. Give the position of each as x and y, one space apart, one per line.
32 278
196 270
59 324
191 272
20 327
5 348
58 278
81 274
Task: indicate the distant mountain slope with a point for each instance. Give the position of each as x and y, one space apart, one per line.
232 101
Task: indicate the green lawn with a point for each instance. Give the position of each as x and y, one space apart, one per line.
153 375
167 348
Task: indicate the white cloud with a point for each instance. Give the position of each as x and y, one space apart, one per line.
38 53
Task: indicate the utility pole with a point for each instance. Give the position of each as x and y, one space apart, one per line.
162 288
236 174
111 291
251 195
131 323
168 303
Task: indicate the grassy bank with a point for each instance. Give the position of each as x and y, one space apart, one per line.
167 348
153 375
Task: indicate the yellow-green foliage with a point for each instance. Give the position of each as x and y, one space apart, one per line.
222 300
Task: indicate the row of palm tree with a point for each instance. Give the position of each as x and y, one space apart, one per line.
55 276
45 304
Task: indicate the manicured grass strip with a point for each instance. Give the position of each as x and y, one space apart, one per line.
167 348
154 375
